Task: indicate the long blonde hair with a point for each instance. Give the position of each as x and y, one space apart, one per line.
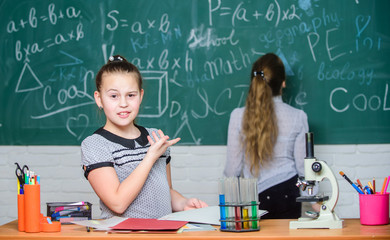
259 122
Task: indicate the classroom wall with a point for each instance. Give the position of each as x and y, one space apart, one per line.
195 170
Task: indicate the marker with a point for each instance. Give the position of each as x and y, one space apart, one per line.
349 180
62 213
71 208
30 177
26 178
68 211
18 186
383 186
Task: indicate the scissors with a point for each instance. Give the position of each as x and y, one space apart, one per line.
20 173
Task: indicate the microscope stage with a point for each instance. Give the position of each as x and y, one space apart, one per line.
312 198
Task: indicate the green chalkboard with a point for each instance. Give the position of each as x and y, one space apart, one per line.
195 57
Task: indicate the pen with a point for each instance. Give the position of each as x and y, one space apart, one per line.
373 184
353 185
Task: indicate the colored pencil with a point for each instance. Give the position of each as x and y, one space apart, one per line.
383 186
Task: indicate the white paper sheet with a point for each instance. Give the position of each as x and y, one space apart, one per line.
101 225
208 215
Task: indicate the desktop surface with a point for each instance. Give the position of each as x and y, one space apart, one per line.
269 229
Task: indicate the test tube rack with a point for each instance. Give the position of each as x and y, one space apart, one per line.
242 217
238 203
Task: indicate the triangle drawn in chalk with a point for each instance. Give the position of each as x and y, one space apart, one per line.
24 82
74 60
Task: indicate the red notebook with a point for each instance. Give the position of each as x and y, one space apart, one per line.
139 224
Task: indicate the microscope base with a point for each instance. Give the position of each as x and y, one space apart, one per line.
317 223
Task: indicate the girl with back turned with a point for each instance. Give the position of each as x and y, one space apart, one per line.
266 140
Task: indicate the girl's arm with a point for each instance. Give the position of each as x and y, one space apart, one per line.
178 201
118 196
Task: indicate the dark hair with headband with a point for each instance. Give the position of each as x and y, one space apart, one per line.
118 63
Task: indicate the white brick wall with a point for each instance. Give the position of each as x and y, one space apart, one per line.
195 171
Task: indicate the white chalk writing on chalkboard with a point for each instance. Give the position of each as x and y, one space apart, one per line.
195 61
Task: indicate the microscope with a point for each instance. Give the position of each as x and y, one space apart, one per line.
317 171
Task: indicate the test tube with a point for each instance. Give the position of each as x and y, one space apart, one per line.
222 208
244 193
229 202
236 201
254 197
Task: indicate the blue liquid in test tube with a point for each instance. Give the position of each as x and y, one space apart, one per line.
222 209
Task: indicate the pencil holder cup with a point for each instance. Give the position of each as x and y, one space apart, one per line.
32 208
374 209
21 212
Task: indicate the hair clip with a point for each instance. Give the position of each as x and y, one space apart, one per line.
115 59
261 73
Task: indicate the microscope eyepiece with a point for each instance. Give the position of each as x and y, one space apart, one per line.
309 145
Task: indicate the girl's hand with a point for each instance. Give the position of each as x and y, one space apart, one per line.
159 144
193 203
